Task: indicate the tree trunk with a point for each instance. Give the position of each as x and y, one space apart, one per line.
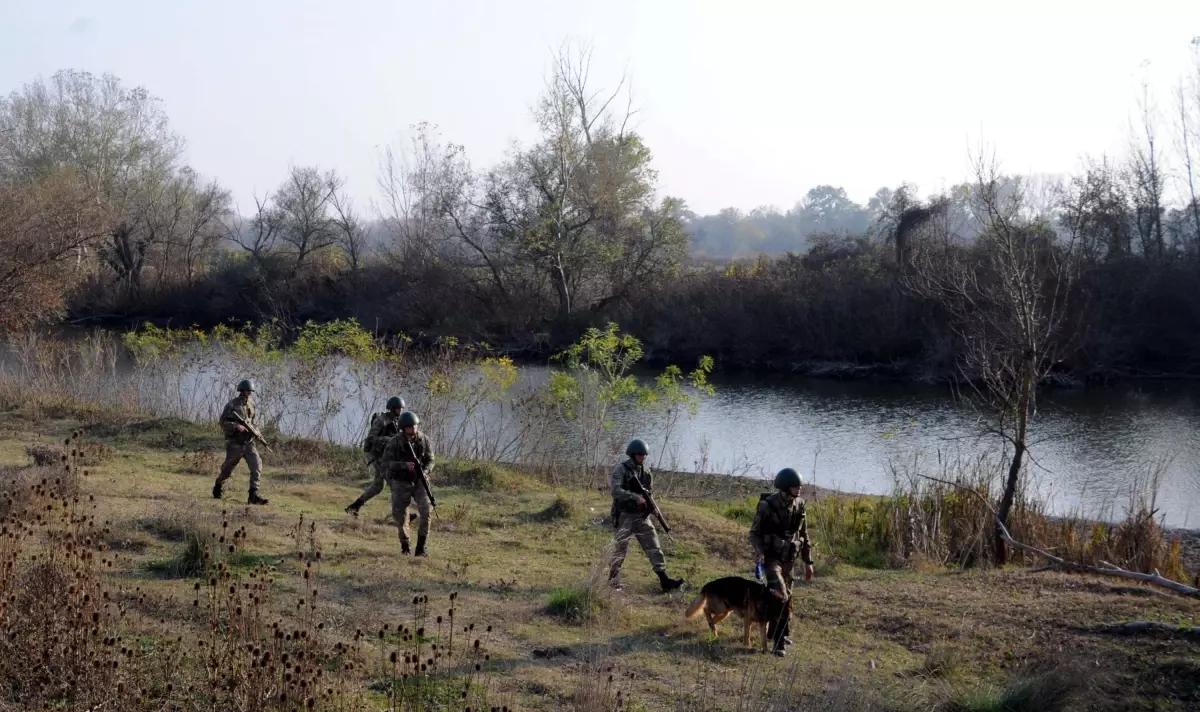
1024 402
560 284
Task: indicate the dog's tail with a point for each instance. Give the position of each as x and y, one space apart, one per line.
697 606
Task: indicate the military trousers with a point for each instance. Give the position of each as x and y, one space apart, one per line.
235 451
404 493
375 487
778 574
634 524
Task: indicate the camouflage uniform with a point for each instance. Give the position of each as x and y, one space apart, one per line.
383 427
239 445
778 534
630 520
406 486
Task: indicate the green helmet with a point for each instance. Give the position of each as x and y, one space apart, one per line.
246 385
787 478
408 418
637 447
395 402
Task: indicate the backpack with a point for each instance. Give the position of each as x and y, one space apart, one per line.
366 446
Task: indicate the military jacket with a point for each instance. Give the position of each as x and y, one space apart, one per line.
383 427
229 424
397 453
625 491
780 529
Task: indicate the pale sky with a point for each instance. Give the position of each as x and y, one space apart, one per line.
742 103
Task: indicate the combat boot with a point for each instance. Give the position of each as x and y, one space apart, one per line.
404 547
218 490
352 510
254 498
614 579
421 547
668 583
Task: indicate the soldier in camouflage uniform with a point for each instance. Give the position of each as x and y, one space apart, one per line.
631 516
400 459
383 427
778 534
239 443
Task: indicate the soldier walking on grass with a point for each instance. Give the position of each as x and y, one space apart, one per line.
780 533
237 422
405 458
631 486
383 427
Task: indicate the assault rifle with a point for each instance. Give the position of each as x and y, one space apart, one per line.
421 472
255 433
650 501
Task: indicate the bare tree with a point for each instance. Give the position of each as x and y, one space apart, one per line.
575 204
1006 296
258 234
352 235
1146 178
1188 105
432 207
303 210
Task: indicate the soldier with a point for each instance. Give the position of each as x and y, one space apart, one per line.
631 516
778 534
400 459
239 442
383 427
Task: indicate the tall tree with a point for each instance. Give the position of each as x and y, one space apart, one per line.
1006 296
580 204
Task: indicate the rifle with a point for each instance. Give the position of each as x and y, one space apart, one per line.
254 432
421 472
650 501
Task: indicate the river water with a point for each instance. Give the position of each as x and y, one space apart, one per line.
1091 447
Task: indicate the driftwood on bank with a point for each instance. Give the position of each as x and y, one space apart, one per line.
1060 563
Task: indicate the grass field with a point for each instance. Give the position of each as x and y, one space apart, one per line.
525 559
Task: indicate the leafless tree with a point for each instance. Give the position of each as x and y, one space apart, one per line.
1187 99
1006 296
575 204
258 234
432 207
1147 179
352 234
302 207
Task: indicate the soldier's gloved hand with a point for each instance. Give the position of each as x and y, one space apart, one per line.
808 572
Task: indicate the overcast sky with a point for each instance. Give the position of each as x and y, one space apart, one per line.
743 103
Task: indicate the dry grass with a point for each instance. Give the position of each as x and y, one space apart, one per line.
866 639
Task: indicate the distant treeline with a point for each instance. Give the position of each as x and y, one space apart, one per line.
102 222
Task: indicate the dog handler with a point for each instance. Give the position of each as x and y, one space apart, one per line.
778 534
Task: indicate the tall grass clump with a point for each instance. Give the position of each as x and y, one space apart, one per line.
944 516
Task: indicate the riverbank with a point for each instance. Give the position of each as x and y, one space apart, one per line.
517 552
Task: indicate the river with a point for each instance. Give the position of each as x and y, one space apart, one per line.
1090 446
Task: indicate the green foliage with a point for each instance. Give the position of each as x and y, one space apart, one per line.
598 377
575 604
338 338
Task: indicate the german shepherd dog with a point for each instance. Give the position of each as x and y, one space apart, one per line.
753 601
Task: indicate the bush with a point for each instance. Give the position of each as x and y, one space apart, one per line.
560 509
1050 691
579 603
